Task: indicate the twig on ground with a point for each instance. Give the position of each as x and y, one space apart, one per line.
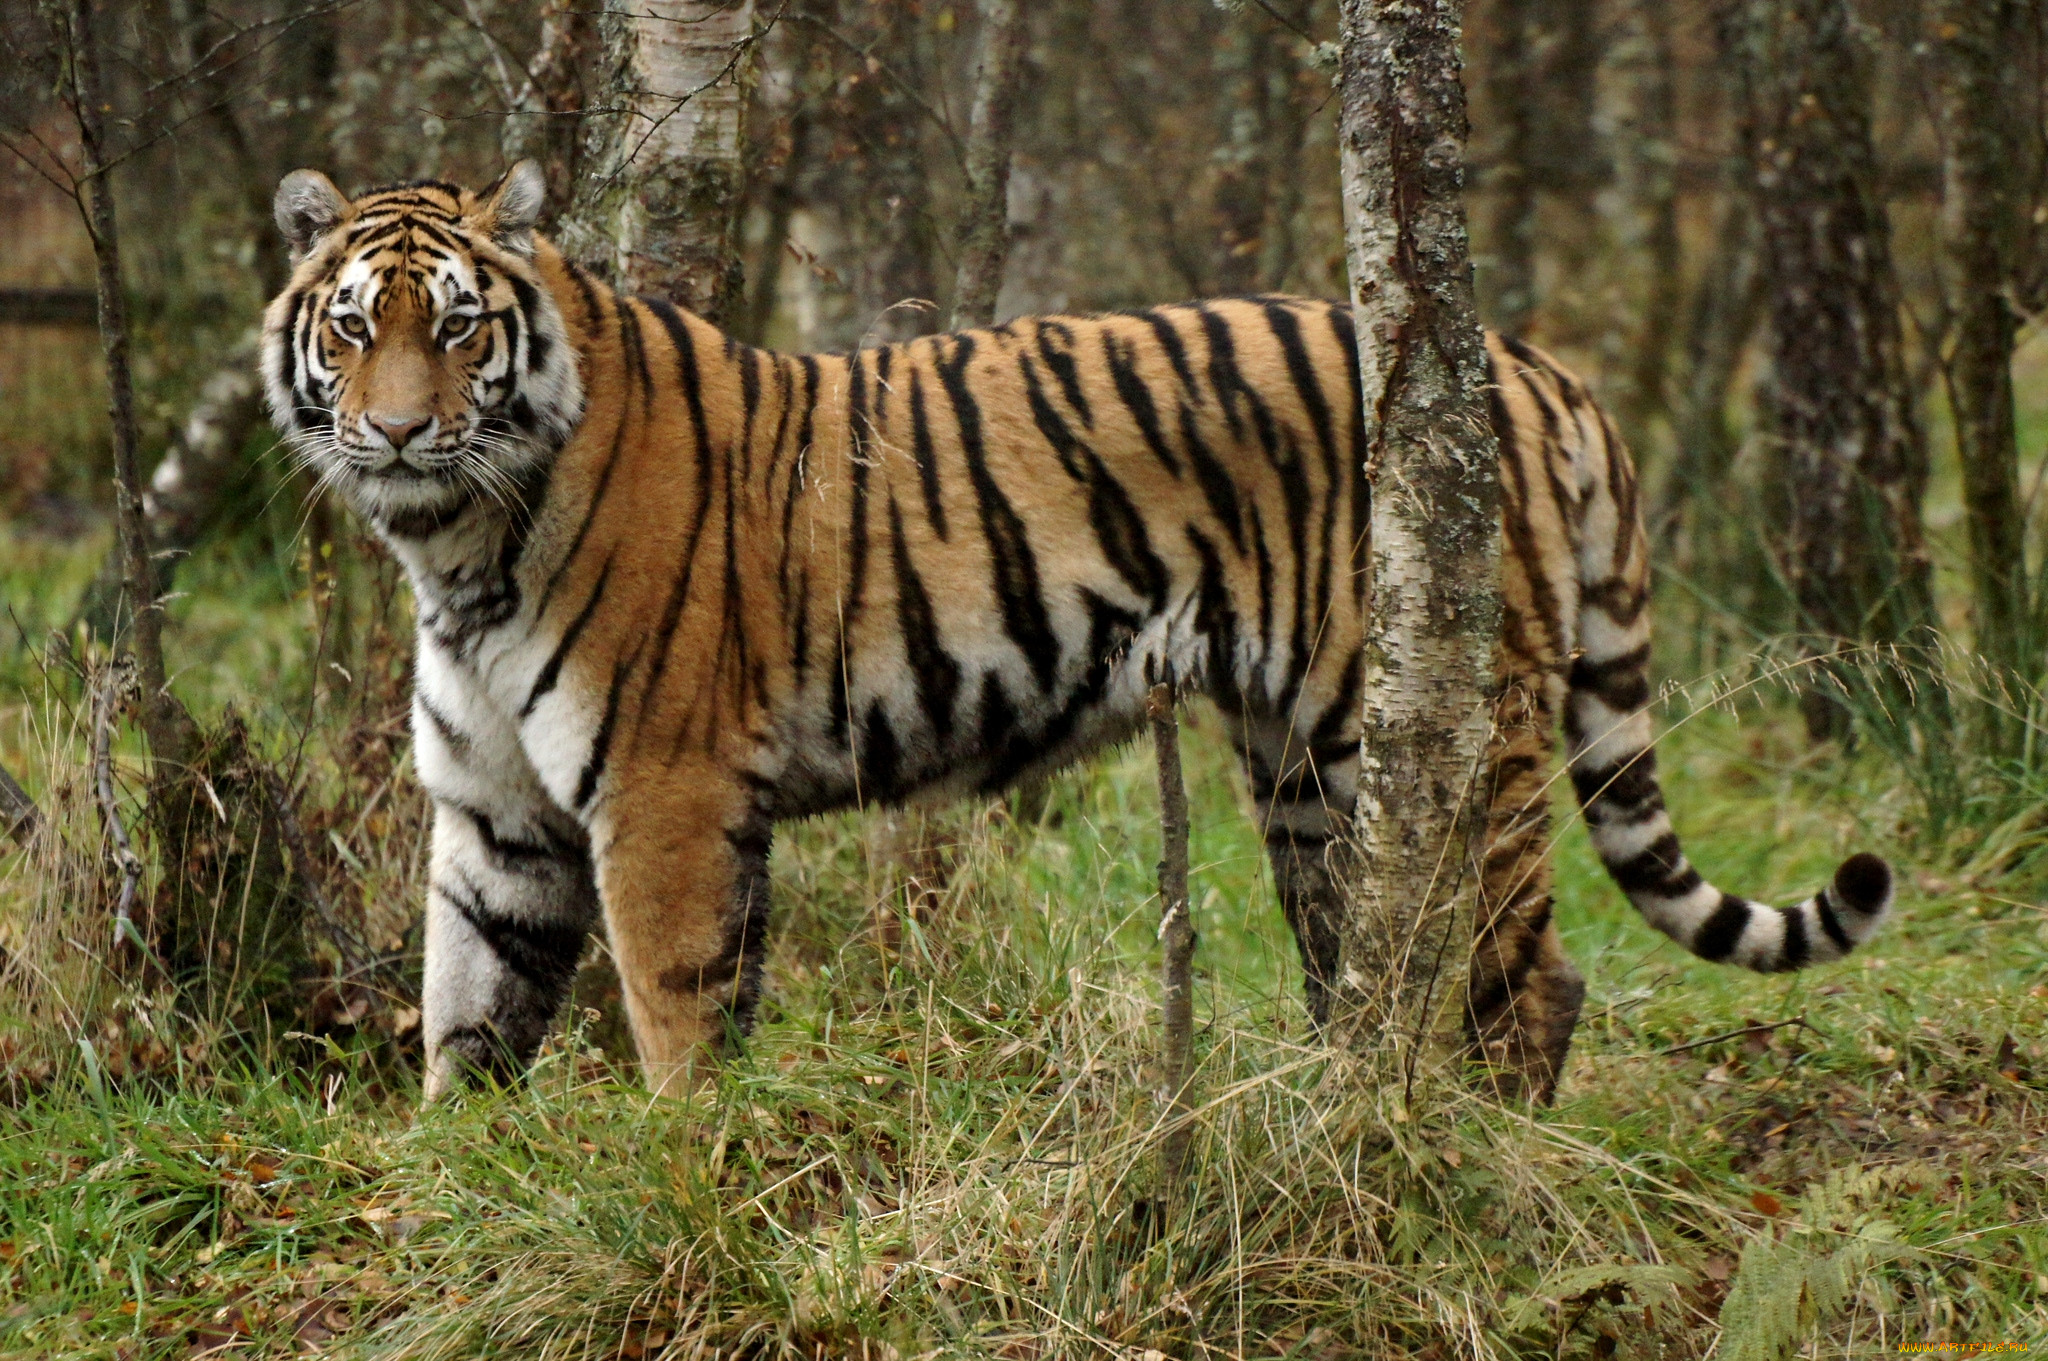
107 687
1758 1029
19 817
1177 938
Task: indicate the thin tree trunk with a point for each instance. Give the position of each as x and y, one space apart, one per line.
1723 316
985 216
1512 80
1542 81
1840 411
891 245
782 200
205 455
546 124
657 209
1433 562
1695 526
164 721
1244 180
1176 942
1980 222
1655 156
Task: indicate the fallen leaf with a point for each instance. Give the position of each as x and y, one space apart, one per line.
1767 1204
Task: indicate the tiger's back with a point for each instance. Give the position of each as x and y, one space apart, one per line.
1008 535
745 586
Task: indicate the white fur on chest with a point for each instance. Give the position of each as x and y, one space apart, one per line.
481 688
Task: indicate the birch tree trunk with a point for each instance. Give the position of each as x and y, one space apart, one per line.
985 215
1433 563
1840 410
657 208
1979 87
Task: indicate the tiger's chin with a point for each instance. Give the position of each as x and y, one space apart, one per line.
416 496
406 500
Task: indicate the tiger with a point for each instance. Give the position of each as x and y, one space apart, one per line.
672 590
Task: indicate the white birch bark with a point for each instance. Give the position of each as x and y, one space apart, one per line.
1433 560
658 204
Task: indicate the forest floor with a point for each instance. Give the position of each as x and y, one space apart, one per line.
939 1140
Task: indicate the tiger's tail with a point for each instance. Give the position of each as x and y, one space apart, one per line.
1614 771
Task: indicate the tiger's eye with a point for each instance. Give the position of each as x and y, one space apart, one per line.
352 326
457 329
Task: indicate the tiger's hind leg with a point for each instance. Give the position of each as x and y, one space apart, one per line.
1523 995
1302 789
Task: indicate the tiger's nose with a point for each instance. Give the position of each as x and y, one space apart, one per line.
399 430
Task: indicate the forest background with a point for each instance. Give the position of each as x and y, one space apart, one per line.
940 1140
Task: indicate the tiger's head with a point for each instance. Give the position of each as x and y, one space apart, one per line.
417 361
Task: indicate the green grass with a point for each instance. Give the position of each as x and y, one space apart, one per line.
939 1140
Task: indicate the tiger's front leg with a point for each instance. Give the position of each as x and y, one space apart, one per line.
682 870
510 896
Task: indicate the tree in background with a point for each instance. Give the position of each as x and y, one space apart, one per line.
1434 549
544 115
1648 167
1981 100
657 208
164 721
1546 56
1851 464
1258 170
985 214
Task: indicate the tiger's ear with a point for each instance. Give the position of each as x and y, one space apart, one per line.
511 207
306 207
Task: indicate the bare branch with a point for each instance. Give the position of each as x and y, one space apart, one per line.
1741 1032
867 55
112 679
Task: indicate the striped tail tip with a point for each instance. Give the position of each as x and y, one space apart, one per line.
1861 896
1723 928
